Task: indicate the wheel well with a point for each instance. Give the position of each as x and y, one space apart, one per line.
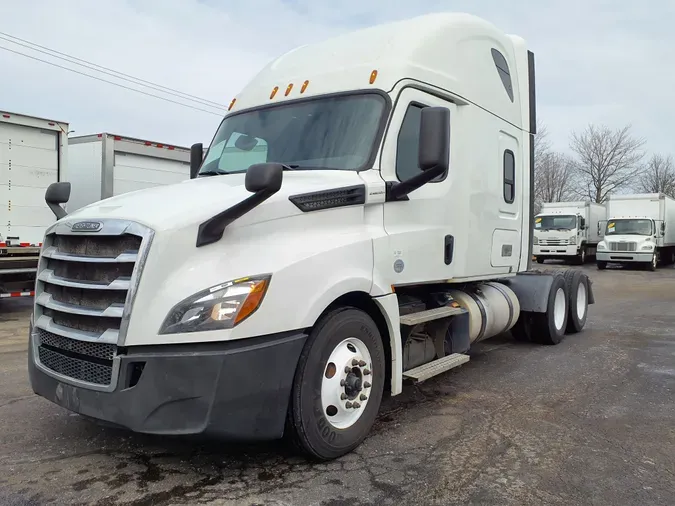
365 303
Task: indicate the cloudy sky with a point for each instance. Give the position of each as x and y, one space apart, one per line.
600 61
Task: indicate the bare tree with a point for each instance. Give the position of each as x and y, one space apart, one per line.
658 176
553 171
607 160
554 177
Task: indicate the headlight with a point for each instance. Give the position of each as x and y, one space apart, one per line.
573 240
220 307
536 240
647 247
601 246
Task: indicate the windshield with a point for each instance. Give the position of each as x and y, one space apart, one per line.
629 227
336 133
558 222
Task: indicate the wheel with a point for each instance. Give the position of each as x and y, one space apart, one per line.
338 385
540 260
601 265
549 327
581 258
654 263
577 290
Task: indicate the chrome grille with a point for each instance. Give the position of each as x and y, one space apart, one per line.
554 242
84 295
623 246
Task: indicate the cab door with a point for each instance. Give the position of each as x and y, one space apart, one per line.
419 245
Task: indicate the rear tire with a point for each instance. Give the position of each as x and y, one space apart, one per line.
549 327
577 289
319 424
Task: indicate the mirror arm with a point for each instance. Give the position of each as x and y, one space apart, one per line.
58 211
400 190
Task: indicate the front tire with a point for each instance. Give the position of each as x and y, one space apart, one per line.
581 257
654 263
601 265
338 385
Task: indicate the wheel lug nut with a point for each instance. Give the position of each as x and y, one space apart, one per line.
343 397
342 383
362 363
355 362
347 369
363 397
348 405
356 405
366 385
366 372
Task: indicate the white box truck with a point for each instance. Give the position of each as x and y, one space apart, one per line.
640 229
33 154
383 227
568 231
104 165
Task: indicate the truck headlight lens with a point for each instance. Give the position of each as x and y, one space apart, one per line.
536 240
647 247
220 307
573 240
601 246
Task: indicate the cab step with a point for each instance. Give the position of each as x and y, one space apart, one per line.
431 369
430 314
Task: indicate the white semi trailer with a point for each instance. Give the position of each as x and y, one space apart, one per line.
33 155
104 165
568 231
384 227
640 229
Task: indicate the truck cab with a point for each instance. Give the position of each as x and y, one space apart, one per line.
632 239
567 231
361 217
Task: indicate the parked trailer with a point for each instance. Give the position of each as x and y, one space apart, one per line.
568 231
640 229
104 165
364 249
33 155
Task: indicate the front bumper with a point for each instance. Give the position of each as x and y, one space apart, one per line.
621 257
539 250
237 390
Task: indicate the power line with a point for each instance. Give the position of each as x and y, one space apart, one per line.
106 70
110 82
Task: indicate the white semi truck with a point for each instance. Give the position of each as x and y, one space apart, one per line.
640 229
568 231
363 216
104 165
33 155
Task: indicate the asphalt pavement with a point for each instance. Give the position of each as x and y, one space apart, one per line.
590 421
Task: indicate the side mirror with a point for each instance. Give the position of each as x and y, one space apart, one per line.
264 177
582 223
196 158
434 145
263 180
57 194
433 155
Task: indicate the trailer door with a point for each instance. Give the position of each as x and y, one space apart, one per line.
29 163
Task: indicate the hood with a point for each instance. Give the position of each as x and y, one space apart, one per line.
195 200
